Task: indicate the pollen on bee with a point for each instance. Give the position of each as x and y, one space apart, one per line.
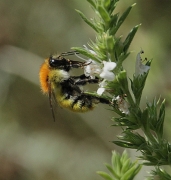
44 72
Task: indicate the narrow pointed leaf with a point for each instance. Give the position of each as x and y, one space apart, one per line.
113 22
104 175
92 3
106 4
113 4
124 144
131 173
87 21
112 170
160 122
123 17
129 38
86 53
104 14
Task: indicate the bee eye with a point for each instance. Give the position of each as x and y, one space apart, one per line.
53 62
58 63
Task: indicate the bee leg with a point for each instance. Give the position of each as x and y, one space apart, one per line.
83 76
76 64
100 100
51 93
83 80
97 99
86 100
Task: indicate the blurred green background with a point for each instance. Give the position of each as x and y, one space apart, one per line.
32 146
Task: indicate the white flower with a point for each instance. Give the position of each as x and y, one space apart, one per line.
106 71
140 68
101 88
122 104
92 69
107 75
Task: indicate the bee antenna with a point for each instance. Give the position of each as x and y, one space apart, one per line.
69 53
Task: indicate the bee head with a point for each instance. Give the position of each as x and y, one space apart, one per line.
59 62
54 62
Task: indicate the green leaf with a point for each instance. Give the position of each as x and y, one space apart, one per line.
91 24
113 23
124 156
112 170
122 79
161 174
92 3
156 120
116 164
106 4
125 14
86 53
104 14
160 121
133 138
131 173
125 166
123 56
104 175
122 167
129 38
137 86
145 119
110 43
124 144
113 4
126 121
123 17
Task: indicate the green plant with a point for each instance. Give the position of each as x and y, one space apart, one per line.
107 55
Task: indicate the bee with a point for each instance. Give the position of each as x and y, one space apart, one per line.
65 89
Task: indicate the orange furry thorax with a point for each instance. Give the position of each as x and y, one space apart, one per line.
43 74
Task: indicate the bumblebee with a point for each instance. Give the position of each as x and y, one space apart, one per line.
56 81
